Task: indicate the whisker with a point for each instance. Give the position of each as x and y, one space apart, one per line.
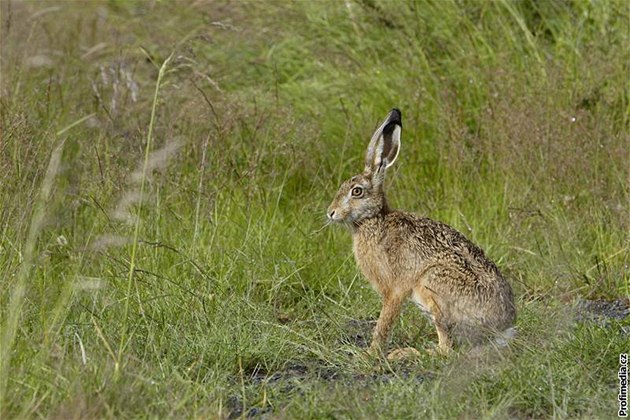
328 222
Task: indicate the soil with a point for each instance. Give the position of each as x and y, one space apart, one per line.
602 311
358 332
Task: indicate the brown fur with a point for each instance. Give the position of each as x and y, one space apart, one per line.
405 256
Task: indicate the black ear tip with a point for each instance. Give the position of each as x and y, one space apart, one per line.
393 119
395 116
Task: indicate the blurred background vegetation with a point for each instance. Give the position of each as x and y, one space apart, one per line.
176 265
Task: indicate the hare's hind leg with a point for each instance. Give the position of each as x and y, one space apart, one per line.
426 300
445 341
392 304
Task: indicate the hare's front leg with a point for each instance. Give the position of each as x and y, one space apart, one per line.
392 304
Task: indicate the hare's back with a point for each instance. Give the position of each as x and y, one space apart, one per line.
432 238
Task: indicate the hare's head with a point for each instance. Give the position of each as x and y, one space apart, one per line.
362 196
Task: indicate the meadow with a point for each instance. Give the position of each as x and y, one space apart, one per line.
165 168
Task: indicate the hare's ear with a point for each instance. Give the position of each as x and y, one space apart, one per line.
385 145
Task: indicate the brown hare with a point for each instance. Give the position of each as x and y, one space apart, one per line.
405 256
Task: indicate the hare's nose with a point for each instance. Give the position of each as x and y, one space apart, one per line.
331 214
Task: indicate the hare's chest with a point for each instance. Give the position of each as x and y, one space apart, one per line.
372 263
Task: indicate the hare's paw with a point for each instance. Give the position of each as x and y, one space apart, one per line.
403 354
439 351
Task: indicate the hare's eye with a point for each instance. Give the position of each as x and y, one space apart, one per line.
357 192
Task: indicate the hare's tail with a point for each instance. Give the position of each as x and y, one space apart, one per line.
503 338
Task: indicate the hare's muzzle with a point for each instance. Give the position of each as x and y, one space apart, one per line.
333 213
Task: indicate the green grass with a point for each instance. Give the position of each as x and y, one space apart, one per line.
173 263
